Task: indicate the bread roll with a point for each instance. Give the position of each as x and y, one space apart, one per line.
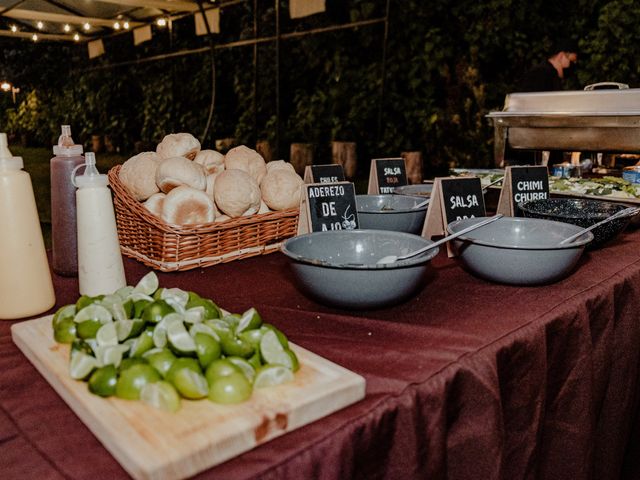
281 189
154 203
279 164
236 193
185 205
247 159
178 145
212 161
138 175
176 171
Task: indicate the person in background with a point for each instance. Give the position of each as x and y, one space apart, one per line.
549 75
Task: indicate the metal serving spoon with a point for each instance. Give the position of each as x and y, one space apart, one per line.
627 212
394 258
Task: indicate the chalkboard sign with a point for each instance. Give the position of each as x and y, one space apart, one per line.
331 173
386 175
452 198
522 184
328 206
462 198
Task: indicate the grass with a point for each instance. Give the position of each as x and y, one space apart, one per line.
36 163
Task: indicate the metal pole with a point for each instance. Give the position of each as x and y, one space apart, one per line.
384 72
255 72
277 79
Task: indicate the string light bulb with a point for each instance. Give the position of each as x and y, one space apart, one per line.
161 22
86 27
40 25
116 26
14 29
6 86
76 37
34 37
67 27
126 25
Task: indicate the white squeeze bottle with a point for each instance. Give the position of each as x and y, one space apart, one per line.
25 279
100 268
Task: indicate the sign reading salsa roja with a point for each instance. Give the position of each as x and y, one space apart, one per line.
324 173
328 206
386 175
522 184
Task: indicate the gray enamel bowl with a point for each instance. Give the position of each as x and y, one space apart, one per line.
420 189
391 212
583 213
339 267
519 251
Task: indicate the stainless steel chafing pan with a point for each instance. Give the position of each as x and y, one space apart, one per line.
576 120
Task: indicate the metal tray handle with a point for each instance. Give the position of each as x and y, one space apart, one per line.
593 86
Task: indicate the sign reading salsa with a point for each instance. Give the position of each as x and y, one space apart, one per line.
386 175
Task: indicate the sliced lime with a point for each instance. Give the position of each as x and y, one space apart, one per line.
271 375
93 312
130 362
222 328
103 381
161 395
161 359
250 319
255 361
236 346
107 335
142 343
207 349
230 389
211 310
138 306
147 284
185 374
179 339
176 298
85 300
133 379
253 336
194 315
110 354
68 311
202 328
65 330
154 311
128 328
81 364
248 370
273 352
281 336
220 368
232 319
136 297
88 328
124 292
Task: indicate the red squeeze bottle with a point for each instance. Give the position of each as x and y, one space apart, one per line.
63 204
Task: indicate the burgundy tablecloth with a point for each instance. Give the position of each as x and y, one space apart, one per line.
466 380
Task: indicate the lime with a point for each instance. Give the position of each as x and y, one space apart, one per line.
211 310
124 292
272 351
175 297
154 311
113 303
207 349
147 284
295 363
88 328
202 328
161 359
140 297
68 311
110 354
138 307
142 343
130 362
248 370
194 315
185 374
220 368
86 300
93 312
232 319
79 345
128 328
161 395
250 319
236 346
128 307
179 339
253 336
281 336
222 328
255 361
106 334
65 330
103 381
234 388
158 294
81 364
133 379
271 375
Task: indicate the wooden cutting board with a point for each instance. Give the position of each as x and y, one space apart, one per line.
153 444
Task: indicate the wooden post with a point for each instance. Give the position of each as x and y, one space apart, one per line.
344 153
301 156
263 147
413 162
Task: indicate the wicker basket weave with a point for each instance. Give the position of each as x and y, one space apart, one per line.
170 248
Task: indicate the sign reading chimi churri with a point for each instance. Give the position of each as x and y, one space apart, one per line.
523 184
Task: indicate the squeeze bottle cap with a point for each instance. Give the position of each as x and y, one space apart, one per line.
7 160
91 177
66 147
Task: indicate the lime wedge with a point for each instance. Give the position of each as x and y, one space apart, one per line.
281 336
253 336
272 375
147 284
107 335
232 319
245 366
236 346
130 362
68 311
124 292
250 319
207 349
222 328
114 304
128 328
88 328
230 389
161 395
156 310
186 376
273 352
93 312
211 310
85 300
103 381
220 368
142 343
176 298
64 331
161 359
194 315
133 379
179 339
202 328
140 297
110 354
81 364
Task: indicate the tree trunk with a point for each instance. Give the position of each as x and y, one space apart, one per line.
413 162
96 143
344 153
301 156
263 147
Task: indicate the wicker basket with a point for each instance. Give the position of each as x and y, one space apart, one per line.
170 248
